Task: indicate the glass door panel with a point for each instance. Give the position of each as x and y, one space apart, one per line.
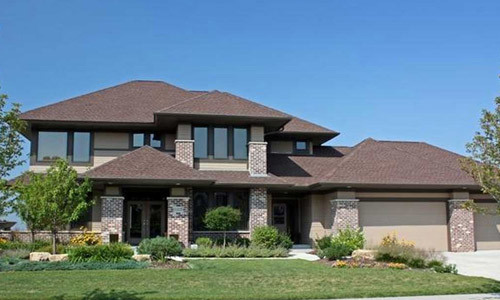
136 222
156 219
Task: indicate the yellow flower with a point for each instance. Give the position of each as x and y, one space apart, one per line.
86 238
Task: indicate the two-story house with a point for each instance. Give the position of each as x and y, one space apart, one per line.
160 156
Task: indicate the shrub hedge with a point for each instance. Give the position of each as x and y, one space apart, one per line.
113 253
66 265
235 252
160 247
269 237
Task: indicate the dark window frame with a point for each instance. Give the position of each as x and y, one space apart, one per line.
301 151
69 148
73 147
207 142
147 140
230 142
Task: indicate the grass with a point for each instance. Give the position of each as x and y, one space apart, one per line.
233 279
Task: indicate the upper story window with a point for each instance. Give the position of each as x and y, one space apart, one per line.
220 142
52 145
155 140
200 142
138 140
301 147
81 147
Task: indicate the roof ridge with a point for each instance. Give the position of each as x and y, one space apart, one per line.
183 101
349 155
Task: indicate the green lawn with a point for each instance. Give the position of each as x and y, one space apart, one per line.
233 279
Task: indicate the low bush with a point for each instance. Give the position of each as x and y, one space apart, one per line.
269 237
242 242
351 238
12 245
60 249
86 238
65 265
114 252
160 247
15 253
324 242
220 241
204 242
235 252
335 251
446 269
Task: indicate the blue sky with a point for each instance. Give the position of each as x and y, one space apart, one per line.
391 70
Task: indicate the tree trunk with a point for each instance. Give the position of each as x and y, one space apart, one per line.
224 243
54 237
32 236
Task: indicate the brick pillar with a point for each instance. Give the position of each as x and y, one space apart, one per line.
111 217
461 227
345 214
258 208
178 218
257 158
184 151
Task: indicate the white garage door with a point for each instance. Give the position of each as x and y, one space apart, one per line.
487 229
421 222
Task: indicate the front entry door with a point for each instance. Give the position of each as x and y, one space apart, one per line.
146 219
280 217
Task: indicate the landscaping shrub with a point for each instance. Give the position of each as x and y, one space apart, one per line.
222 218
12 245
204 242
220 241
242 242
451 268
235 252
335 251
115 252
324 242
60 249
65 265
269 237
15 253
160 247
86 238
351 238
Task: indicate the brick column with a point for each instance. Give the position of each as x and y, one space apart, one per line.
258 208
111 217
461 227
345 214
184 151
178 218
257 158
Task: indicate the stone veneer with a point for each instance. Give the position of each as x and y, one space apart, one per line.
345 214
258 207
461 227
257 158
111 217
184 151
178 223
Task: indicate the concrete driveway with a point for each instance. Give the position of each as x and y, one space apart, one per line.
479 263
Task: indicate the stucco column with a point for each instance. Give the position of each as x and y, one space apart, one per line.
344 210
178 224
111 218
258 208
461 227
184 151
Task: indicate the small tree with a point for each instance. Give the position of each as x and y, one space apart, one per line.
484 163
28 201
59 196
10 147
222 218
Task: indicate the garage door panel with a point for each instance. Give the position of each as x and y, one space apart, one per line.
487 229
421 222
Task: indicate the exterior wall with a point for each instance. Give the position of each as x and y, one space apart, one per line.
258 207
257 158
314 218
257 133
169 142
111 217
111 140
63 236
461 227
178 218
487 228
423 222
221 166
283 147
344 214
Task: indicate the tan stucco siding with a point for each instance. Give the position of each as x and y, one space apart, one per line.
43 168
103 156
221 166
283 147
487 228
111 140
170 141
422 222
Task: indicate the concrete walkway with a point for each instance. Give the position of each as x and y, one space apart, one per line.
479 263
299 251
446 297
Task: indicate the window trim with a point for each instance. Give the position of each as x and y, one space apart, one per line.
230 143
69 148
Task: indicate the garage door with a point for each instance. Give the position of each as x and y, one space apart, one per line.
421 222
487 229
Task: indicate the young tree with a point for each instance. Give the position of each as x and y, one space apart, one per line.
28 201
58 196
10 147
484 161
222 218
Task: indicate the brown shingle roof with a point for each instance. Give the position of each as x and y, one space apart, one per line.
145 163
131 102
243 178
223 104
300 125
373 162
